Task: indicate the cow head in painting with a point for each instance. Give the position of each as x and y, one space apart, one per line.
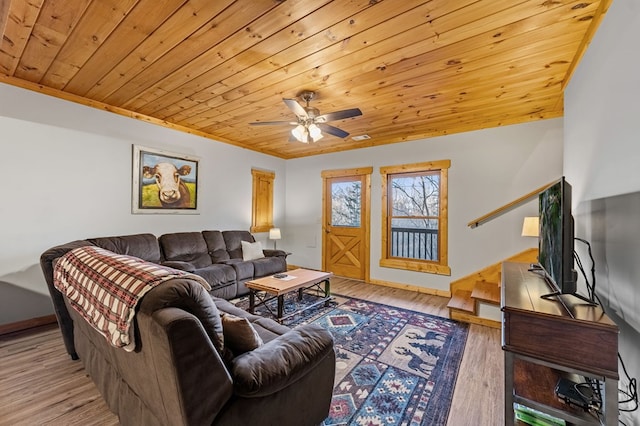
172 191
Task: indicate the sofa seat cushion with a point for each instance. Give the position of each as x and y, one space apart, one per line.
179 264
217 274
186 247
244 270
267 328
224 306
268 266
280 362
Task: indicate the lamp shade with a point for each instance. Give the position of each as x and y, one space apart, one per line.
274 234
531 226
315 132
301 133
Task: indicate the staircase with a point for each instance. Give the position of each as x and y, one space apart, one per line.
475 299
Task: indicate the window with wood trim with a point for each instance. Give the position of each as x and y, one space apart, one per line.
414 217
262 210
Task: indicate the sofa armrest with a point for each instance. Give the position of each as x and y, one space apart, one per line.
281 362
178 264
275 253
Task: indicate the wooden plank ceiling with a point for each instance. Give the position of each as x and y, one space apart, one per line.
415 68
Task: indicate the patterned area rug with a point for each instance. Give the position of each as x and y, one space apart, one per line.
393 366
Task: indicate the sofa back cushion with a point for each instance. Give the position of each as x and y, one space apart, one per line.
143 246
186 247
232 240
216 246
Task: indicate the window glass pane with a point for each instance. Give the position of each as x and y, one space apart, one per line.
415 195
345 203
414 238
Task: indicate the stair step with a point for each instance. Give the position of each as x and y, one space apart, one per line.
487 292
471 319
462 300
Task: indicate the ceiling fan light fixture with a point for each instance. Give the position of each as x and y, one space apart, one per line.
300 133
315 132
311 125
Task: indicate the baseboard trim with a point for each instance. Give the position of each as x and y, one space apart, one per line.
27 324
417 289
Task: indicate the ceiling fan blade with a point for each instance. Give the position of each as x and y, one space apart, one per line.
296 107
338 115
333 130
271 123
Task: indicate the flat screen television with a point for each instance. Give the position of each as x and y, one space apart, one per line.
555 242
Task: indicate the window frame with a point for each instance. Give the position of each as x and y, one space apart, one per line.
441 266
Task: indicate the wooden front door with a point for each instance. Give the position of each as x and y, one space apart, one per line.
346 203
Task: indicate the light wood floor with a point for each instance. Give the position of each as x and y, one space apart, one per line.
41 385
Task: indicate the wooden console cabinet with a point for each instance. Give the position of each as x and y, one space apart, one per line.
544 339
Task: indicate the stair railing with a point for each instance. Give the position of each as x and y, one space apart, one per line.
509 206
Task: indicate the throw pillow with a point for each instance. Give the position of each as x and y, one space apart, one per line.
251 251
239 334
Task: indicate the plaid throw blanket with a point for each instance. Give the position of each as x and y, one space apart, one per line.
105 287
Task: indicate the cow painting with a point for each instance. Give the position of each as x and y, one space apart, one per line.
164 182
172 191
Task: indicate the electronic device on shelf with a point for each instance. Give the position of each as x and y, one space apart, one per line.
568 392
555 241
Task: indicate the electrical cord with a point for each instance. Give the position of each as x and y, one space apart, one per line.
632 390
590 288
595 399
631 393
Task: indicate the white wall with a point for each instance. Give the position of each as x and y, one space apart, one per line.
67 173
489 168
69 170
601 158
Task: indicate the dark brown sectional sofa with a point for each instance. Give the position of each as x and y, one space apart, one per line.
217 257
177 375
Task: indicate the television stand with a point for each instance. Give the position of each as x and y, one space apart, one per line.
534 267
544 341
556 294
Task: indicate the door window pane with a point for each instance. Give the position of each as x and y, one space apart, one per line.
345 203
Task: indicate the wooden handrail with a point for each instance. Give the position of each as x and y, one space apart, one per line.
513 204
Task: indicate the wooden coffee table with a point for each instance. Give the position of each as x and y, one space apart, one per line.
297 279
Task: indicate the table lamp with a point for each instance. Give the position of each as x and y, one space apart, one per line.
274 234
531 226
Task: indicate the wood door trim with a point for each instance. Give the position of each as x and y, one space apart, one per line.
365 172
326 174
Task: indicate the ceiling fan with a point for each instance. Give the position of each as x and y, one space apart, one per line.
311 123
